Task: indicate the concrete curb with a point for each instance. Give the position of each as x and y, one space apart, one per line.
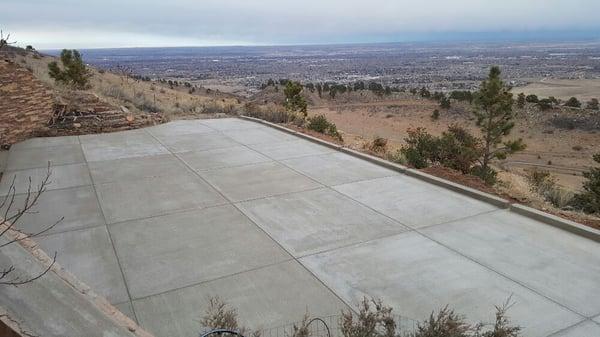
111 312
529 212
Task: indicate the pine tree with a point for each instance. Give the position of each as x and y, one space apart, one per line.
74 71
589 199
495 117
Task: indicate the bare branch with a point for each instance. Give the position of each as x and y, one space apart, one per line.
18 281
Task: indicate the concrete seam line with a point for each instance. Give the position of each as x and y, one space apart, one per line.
110 238
111 312
549 219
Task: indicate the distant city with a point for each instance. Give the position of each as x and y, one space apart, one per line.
440 66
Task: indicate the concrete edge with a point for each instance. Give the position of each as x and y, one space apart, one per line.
529 212
111 312
556 221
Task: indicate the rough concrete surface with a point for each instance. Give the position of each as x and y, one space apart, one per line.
160 219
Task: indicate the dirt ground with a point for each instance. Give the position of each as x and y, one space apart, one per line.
565 153
583 89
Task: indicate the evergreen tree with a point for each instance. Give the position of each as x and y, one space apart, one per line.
521 101
495 118
589 199
294 102
73 72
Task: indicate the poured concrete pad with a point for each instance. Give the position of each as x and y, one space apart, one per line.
177 143
127 309
412 202
122 201
264 298
50 307
222 158
89 254
42 156
178 250
584 329
262 135
313 221
416 275
529 251
180 128
337 168
120 145
129 169
78 208
257 181
65 176
171 194
291 149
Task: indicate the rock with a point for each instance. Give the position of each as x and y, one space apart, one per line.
76 125
124 109
130 118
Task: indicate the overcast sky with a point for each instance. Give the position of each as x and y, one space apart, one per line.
136 23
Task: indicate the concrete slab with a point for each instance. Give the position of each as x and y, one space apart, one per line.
196 142
50 307
584 329
314 221
3 160
529 252
127 309
264 298
129 200
65 176
46 142
413 202
178 250
89 254
40 157
224 124
118 145
257 181
129 169
77 205
260 135
221 158
416 275
291 149
179 128
337 168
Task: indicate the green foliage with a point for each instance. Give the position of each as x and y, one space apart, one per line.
421 149
521 101
532 99
435 115
424 92
487 174
459 149
73 72
462 95
320 124
593 104
495 117
573 103
545 104
294 102
589 200
445 103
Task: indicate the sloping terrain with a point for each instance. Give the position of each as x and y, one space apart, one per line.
159 219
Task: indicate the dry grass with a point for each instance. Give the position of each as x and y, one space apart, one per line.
140 96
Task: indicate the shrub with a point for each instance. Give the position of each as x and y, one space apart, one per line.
446 323
593 104
445 103
320 124
487 174
435 115
379 145
521 100
218 315
532 99
573 103
73 72
542 183
374 319
589 200
545 104
421 149
459 149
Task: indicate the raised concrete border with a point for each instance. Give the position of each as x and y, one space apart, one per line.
564 224
111 312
